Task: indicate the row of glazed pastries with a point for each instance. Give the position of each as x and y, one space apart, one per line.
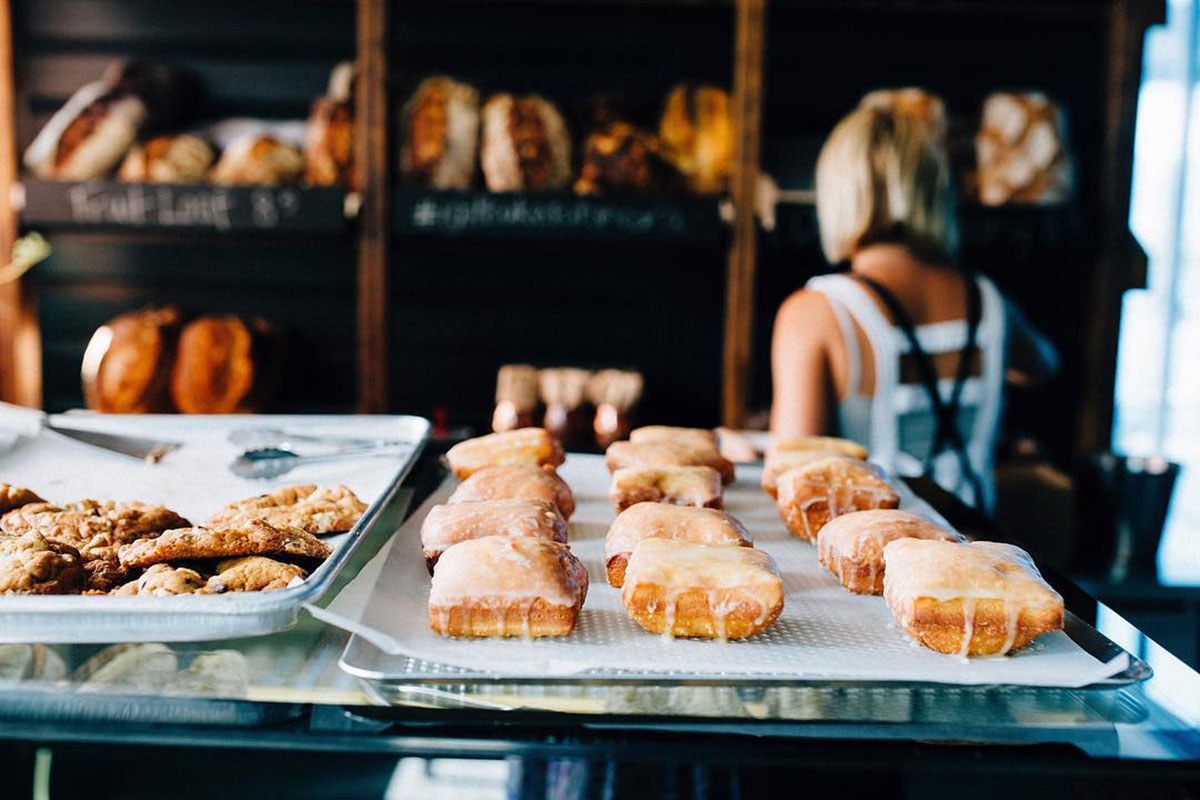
102 128
497 550
951 595
502 566
522 143
131 548
687 568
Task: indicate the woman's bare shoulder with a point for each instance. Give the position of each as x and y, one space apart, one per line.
805 312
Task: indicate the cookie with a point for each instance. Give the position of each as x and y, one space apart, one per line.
220 672
33 564
163 580
253 574
16 496
105 573
329 509
253 538
144 666
90 524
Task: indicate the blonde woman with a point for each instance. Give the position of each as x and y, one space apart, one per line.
904 353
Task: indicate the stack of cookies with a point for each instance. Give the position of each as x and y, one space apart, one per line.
133 548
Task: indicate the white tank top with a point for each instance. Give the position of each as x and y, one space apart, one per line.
897 424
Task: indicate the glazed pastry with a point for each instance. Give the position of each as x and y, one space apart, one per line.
225 365
447 525
257 159
33 564
507 586
319 511
528 446
680 486
89 135
851 546
678 588
127 364
254 538
790 453
439 127
648 434
16 496
778 462
526 146
677 453
516 481
971 598
697 136
252 574
620 158
182 158
657 521
814 493
91 526
163 580
824 444
329 137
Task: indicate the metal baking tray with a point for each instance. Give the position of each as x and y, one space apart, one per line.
390 670
82 619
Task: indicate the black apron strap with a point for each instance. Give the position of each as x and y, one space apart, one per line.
946 434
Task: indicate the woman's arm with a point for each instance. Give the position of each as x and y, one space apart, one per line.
800 366
1032 358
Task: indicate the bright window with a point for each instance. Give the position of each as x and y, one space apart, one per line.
1158 370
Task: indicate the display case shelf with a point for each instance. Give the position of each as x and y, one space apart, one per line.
184 208
512 215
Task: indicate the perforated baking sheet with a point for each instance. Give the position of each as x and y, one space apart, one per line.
195 481
824 633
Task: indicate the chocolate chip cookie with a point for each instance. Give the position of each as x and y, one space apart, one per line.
329 509
252 538
33 564
90 525
16 496
163 580
253 574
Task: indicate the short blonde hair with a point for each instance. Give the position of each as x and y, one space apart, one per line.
881 177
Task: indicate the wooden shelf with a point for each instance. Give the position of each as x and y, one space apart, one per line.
183 208
1012 228
484 214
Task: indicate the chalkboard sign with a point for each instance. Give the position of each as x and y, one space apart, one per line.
183 207
483 213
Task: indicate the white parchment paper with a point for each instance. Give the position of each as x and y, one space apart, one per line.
194 480
824 632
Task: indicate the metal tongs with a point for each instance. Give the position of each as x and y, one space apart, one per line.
269 454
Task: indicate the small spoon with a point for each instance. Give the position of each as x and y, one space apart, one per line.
271 462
